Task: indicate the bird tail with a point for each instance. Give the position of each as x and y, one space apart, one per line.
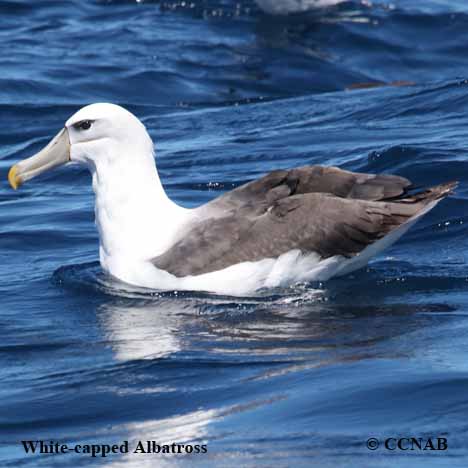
401 215
432 194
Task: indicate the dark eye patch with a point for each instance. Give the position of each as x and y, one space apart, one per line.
83 125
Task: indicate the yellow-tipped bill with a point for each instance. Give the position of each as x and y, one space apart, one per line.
56 153
13 177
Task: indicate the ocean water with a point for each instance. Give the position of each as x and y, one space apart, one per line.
229 91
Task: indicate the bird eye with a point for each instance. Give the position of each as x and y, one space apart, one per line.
83 125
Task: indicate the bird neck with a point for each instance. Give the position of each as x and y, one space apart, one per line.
135 218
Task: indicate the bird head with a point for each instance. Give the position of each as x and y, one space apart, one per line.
96 134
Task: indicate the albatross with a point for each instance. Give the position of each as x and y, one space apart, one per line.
290 226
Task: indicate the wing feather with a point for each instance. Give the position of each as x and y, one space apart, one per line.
323 223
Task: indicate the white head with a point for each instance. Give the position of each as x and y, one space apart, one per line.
98 135
134 216
105 132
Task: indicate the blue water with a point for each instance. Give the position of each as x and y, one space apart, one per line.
299 377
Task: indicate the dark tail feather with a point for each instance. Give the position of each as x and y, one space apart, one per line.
431 194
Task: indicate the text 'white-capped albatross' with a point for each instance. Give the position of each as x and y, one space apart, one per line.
299 225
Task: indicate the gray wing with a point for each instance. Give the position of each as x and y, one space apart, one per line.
311 179
311 222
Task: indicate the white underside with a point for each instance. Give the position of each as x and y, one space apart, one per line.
247 277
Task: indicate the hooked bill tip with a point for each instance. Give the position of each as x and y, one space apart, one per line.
13 177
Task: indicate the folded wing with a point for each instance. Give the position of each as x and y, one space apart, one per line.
314 209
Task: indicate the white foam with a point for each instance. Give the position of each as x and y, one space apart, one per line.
284 7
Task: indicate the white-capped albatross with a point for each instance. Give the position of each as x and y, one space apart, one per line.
299 225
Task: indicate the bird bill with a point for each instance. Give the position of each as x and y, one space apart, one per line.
56 153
